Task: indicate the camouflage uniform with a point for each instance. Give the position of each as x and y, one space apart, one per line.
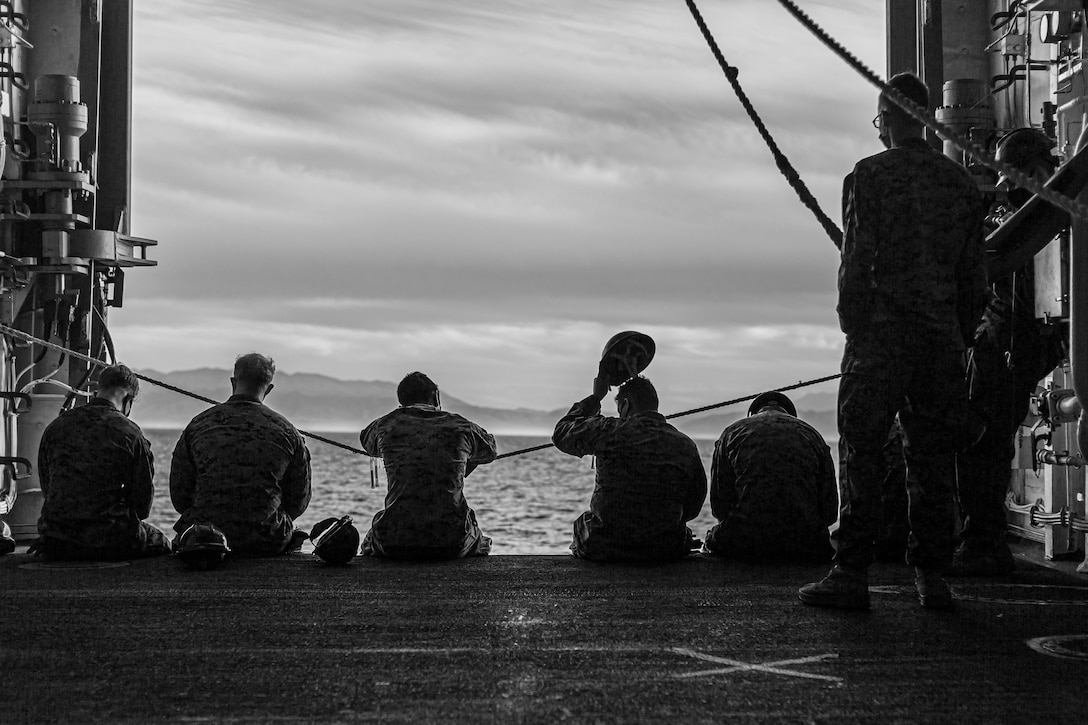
772 490
1011 353
911 290
891 541
96 471
245 469
427 454
649 483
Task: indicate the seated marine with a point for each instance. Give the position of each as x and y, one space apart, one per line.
427 454
96 471
243 468
772 487
649 478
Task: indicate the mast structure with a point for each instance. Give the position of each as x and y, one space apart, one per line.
992 67
65 213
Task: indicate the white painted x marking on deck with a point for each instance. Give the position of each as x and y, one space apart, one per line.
775 668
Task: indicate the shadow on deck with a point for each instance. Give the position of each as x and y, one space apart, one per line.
528 639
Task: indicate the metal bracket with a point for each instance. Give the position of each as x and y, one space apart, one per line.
18 397
13 463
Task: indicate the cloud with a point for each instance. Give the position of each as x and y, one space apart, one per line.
390 180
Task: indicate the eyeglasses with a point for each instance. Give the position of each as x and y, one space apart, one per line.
878 119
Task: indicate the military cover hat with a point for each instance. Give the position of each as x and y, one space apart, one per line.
336 541
625 355
772 396
202 546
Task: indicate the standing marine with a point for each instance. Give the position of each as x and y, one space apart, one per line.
427 452
912 285
649 477
1011 352
96 471
243 468
772 487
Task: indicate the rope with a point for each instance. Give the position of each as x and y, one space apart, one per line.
783 163
923 116
693 411
26 337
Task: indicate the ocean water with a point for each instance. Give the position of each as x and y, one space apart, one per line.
526 504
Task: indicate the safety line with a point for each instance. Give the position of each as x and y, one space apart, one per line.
923 116
734 401
101 363
731 73
27 337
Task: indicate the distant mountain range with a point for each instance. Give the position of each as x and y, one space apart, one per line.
321 403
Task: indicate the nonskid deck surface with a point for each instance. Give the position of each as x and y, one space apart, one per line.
527 639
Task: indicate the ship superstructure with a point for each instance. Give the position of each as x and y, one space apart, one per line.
65 99
999 66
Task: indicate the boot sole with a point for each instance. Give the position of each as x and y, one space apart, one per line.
814 600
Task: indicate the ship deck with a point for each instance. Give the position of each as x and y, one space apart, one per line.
528 639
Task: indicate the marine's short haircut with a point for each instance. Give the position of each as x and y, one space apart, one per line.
908 85
415 388
640 391
119 377
255 369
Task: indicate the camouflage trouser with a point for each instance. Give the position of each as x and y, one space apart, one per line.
149 541
478 546
256 539
767 545
885 373
891 541
473 542
1004 395
595 542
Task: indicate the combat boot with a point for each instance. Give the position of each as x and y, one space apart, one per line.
933 591
842 588
996 560
7 542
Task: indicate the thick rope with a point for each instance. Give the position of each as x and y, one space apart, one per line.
26 337
923 116
783 163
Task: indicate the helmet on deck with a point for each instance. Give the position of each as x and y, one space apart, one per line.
202 546
626 355
336 541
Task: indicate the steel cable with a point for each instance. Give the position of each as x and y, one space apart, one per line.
27 337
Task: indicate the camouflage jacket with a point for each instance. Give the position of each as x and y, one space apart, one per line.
427 454
649 481
912 249
244 468
773 480
96 471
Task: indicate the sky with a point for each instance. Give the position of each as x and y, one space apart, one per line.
487 191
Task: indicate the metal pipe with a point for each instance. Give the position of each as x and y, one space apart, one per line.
1078 309
1053 458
